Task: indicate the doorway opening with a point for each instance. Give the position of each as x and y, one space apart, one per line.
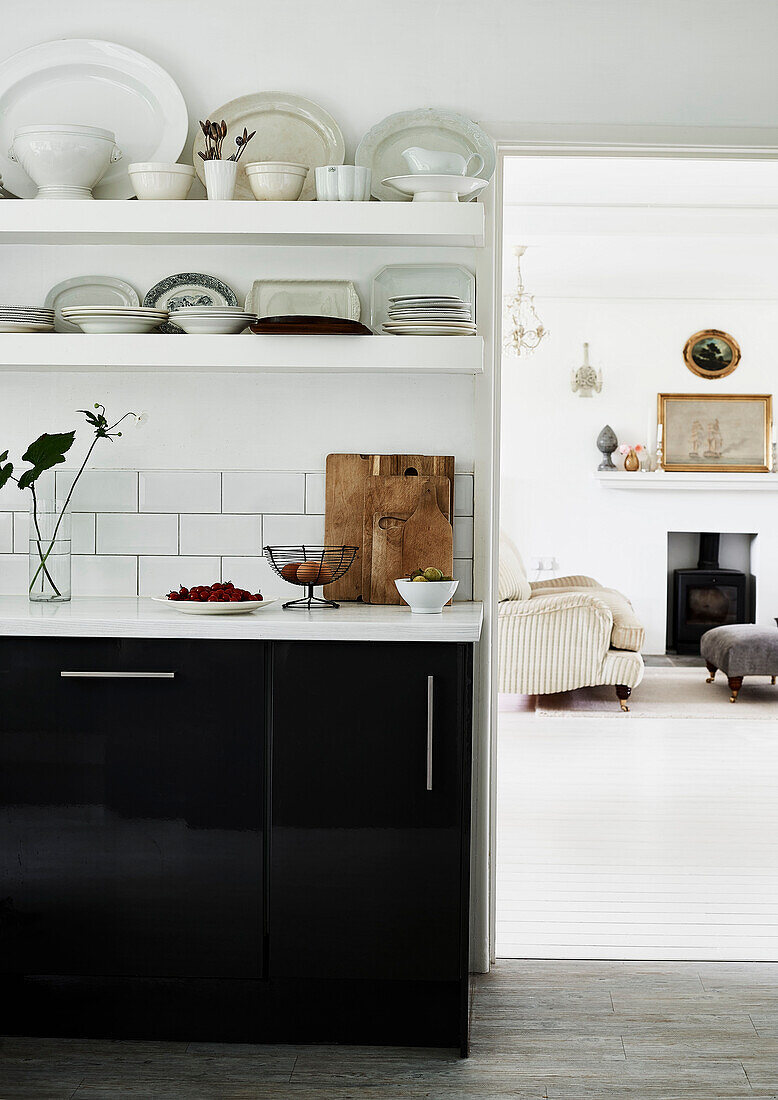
630 835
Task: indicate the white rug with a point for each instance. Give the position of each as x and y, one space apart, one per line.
670 693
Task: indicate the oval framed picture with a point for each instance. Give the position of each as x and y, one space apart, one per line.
711 353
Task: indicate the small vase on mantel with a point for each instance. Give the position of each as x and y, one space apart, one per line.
631 461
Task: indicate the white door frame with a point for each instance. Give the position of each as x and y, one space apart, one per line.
515 140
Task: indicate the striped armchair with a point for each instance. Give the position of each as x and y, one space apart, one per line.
564 633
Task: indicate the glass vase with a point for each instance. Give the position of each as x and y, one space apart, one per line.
49 553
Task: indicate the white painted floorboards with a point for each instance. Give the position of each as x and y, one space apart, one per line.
637 839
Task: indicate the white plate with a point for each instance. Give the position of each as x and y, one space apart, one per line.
188 288
400 325
382 147
25 326
117 325
304 298
93 83
425 188
196 608
288 128
88 290
431 282
436 331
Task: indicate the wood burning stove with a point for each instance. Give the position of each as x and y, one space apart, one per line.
708 596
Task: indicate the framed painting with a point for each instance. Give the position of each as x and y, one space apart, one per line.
727 433
711 353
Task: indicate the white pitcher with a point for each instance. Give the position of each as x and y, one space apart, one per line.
434 162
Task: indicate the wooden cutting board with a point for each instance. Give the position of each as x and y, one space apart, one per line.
428 537
345 495
388 503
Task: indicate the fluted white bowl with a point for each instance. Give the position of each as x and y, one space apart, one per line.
161 182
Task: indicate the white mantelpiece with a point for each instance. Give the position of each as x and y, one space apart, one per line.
696 482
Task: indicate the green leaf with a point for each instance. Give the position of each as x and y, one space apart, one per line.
45 452
5 471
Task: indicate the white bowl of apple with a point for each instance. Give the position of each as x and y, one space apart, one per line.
426 591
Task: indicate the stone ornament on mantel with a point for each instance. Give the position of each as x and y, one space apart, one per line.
606 445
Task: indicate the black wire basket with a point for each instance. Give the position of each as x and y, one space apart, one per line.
310 567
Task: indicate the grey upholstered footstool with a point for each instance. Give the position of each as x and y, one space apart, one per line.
740 650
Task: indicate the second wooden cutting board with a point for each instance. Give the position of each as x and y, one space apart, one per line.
389 504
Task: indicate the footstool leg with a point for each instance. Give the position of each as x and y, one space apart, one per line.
735 684
622 694
772 679
712 670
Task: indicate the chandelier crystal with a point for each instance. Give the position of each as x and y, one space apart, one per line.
522 328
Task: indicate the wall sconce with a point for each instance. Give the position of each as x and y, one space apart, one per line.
586 380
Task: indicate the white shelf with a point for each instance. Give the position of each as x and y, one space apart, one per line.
244 353
240 223
691 482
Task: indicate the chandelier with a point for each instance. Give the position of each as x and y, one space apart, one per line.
522 328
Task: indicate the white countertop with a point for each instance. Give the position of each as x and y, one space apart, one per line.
133 617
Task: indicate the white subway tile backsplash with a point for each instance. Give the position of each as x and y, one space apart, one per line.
6 532
82 532
463 572
100 490
463 494
314 494
255 574
157 575
99 575
249 491
137 534
14 576
221 534
293 530
463 538
180 491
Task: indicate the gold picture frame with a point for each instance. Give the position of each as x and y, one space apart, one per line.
716 433
711 353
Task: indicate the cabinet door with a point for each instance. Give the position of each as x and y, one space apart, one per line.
370 801
131 808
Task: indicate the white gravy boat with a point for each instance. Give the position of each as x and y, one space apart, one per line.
437 163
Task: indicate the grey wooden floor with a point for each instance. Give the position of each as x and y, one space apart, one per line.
541 1031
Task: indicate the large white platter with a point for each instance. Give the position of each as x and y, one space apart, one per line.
436 282
88 290
196 608
304 297
382 147
288 128
92 83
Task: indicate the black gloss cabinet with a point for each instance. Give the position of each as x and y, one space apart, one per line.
235 840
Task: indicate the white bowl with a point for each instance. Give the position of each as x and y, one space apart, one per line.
426 597
343 183
161 182
276 181
429 188
210 324
66 162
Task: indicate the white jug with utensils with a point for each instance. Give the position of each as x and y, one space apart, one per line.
424 162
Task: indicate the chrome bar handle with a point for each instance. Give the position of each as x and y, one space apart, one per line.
117 675
430 722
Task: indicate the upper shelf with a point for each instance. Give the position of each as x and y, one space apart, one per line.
297 223
694 481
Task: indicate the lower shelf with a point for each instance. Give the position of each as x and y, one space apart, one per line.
244 353
691 482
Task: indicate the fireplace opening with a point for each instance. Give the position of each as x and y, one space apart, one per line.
714 592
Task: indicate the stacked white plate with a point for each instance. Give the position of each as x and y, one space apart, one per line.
112 319
428 315
26 319
212 320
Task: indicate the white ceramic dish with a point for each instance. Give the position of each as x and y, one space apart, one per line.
434 162
304 298
437 188
288 128
211 324
275 181
93 83
431 283
161 182
88 290
116 324
188 288
342 183
426 597
64 162
196 608
26 326
382 147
